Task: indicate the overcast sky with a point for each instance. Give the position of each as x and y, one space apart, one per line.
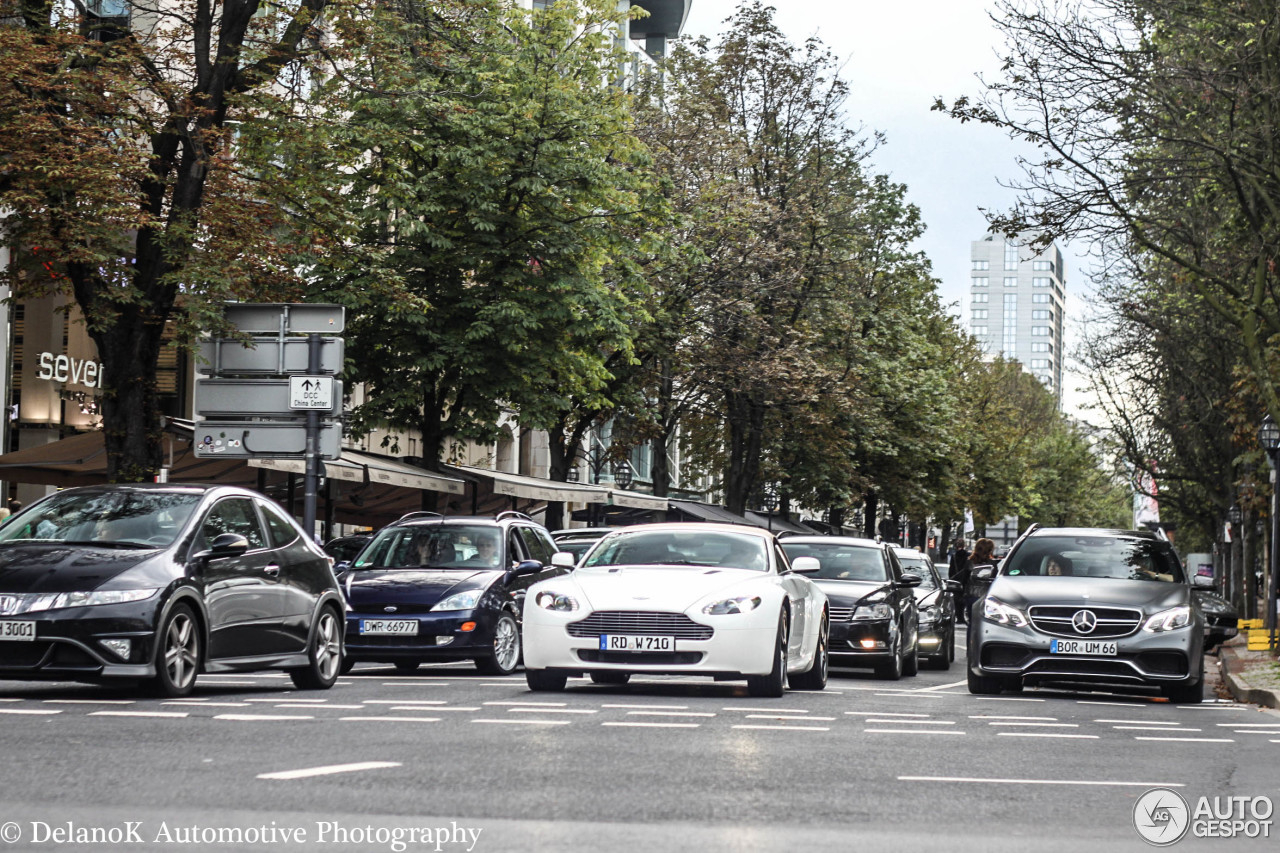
898 57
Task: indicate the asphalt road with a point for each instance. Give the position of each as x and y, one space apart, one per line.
447 759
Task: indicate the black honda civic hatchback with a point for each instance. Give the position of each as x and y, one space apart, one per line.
158 583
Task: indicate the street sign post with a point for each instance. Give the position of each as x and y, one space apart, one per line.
275 397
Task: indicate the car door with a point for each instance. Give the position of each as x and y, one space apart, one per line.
242 594
303 575
797 587
904 602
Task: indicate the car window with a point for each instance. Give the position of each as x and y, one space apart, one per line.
895 565
154 518
923 568
682 548
435 546
233 515
514 551
279 529
841 562
535 546
1108 557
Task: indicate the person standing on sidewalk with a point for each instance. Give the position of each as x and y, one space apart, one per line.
958 570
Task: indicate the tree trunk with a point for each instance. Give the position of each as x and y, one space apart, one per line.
871 508
835 516
661 469
132 427
746 437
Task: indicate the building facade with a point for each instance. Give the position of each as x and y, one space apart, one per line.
1017 299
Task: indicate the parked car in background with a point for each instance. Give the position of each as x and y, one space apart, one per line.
1089 606
690 599
578 541
936 605
160 583
343 549
1221 619
431 588
874 620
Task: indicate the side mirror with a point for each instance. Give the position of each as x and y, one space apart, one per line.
909 580
954 586
563 560
806 565
1202 582
223 545
985 573
528 567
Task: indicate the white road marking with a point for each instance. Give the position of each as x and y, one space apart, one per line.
911 732
290 699
43 711
1143 722
1035 725
207 679
940 687
670 714
389 719
769 710
10 699
296 707
527 722
329 770
1009 717
1011 699
785 717
405 702
1136 704
654 707
435 710
189 703
1232 707
1249 725
415 684
532 704
1190 739
551 711
639 725
89 701
912 694
901 722
1151 729
819 692
1242 731
170 714
1046 734
786 728
1040 781
883 714
253 718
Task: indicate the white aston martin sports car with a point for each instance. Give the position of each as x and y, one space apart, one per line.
680 599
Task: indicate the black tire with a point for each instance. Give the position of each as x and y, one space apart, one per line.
951 646
506 648
347 665
407 665
1013 684
985 685
890 669
815 677
542 681
324 654
911 662
1186 693
772 685
610 677
178 653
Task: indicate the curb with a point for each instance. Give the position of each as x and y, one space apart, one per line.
1240 689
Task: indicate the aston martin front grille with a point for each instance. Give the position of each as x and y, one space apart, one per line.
640 622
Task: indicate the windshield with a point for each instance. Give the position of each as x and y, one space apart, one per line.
842 562
682 548
918 565
1114 557
436 546
125 517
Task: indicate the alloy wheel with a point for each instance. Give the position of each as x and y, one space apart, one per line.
181 651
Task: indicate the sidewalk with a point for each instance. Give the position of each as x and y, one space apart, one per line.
1249 676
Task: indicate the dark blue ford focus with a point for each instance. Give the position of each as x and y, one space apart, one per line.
429 588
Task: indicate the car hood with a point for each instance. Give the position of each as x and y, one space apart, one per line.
416 586
675 588
926 597
55 567
1103 592
848 593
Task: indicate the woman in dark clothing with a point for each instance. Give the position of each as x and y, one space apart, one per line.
984 554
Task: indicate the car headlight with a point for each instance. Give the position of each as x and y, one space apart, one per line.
929 615
741 604
460 600
56 601
873 611
996 610
555 601
1169 620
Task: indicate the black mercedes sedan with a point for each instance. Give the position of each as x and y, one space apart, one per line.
874 617
159 583
936 605
430 588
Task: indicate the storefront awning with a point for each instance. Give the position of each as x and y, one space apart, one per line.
708 512
533 488
357 467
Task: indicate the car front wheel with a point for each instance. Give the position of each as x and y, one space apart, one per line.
324 654
773 684
816 676
506 648
177 653
542 681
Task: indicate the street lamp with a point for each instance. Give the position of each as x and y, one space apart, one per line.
622 474
1269 438
771 502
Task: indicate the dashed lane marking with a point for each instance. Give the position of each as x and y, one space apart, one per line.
901 722
405 702
1143 722
1047 734
34 711
670 714
434 710
785 717
389 719
785 728
639 725
769 710
1189 739
255 718
1248 725
977 780
649 707
1011 717
1034 725
89 702
939 687
162 714
532 704
329 770
526 722
883 714
296 707
1150 729
911 732
200 703
552 711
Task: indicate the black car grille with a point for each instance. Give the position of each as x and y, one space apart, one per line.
641 658
1111 621
1164 663
396 610
1002 656
22 655
640 622
841 614
1076 666
396 640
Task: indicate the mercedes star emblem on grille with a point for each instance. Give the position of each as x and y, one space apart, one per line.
1084 621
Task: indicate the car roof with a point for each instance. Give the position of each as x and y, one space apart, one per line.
1094 531
573 532
708 526
832 540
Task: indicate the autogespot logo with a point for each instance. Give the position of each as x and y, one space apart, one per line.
1161 817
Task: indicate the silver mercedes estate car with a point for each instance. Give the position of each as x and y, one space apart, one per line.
1088 606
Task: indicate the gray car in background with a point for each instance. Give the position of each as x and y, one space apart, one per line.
1089 606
